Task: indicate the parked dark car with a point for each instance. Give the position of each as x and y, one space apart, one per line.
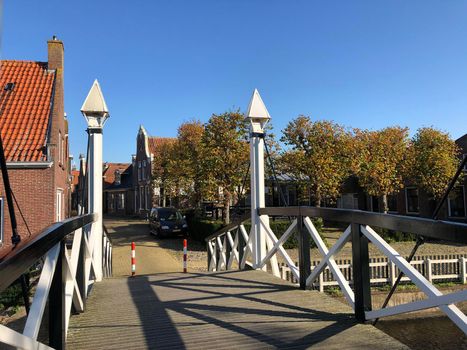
165 222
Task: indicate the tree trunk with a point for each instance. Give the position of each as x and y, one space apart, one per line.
318 199
163 202
197 195
385 204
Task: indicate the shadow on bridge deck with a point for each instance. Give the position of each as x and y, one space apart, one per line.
236 309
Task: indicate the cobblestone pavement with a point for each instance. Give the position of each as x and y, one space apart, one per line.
150 256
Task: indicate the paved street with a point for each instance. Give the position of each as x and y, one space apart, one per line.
150 256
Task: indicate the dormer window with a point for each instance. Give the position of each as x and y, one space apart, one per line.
118 177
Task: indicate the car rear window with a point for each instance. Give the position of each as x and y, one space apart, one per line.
169 214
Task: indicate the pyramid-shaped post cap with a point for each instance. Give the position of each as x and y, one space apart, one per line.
94 108
257 111
94 104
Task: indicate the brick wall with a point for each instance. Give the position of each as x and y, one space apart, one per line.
36 189
59 129
33 189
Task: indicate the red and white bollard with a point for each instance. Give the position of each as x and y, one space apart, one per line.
133 258
184 255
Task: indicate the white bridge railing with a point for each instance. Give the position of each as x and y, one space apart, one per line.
233 245
64 283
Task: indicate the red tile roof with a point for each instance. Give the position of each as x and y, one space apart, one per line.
109 172
154 143
26 111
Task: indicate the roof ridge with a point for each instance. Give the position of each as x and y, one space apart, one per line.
162 137
24 61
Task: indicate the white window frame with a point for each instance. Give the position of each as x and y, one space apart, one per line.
407 200
463 199
59 205
60 147
121 201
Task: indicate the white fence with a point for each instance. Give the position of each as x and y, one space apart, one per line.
435 268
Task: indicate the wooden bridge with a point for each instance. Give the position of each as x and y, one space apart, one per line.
164 308
218 310
241 309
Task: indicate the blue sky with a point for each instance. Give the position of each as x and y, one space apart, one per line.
366 64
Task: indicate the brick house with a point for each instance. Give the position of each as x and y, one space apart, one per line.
35 136
118 188
409 201
74 191
78 188
148 191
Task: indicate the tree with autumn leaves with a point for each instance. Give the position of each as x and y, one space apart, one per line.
185 164
433 160
381 160
318 158
226 156
209 161
324 154
205 162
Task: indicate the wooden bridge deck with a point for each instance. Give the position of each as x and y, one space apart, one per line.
235 309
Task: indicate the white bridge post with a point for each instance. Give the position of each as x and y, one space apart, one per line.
95 111
258 116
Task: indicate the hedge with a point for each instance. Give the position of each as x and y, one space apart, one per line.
199 229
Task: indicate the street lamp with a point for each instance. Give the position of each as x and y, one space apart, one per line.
96 113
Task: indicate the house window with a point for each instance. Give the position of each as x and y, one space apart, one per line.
348 201
392 202
146 199
1 222
456 202
59 147
121 201
59 206
291 195
463 157
141 197
111 203
135 194
118 177
411 199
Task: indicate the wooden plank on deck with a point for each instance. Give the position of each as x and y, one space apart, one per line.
234 309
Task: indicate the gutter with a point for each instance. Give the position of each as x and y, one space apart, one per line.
28 165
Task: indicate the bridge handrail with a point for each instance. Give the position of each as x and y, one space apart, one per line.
19 261
228 227
68 270
233 244
437 229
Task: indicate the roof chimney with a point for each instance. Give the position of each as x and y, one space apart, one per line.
55 53
82 164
